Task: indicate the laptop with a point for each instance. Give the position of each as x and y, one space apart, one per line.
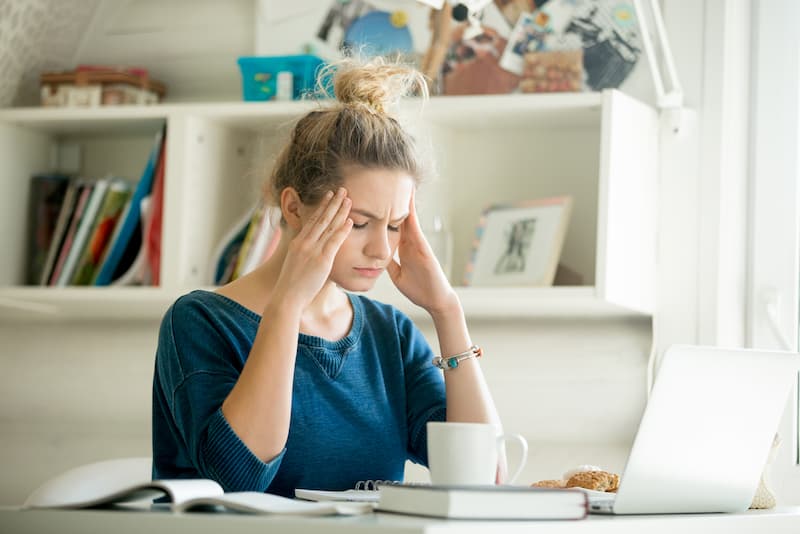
706 432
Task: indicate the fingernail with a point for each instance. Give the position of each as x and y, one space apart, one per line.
341 191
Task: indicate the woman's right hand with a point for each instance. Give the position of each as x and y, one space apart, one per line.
309 261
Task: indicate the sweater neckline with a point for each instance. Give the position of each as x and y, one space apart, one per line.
344 343
308 340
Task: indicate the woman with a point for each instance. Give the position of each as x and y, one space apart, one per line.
285 378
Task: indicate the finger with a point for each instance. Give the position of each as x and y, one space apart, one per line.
411 224
327 215
334 243
339 219
393 268
413 235
312 220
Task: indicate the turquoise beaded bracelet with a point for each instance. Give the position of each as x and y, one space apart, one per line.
452 362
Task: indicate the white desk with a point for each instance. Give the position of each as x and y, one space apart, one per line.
14 521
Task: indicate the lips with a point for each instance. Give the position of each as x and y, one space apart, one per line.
369 272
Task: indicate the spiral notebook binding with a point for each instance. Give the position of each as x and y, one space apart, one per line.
372 485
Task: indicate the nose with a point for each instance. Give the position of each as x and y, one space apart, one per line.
378 246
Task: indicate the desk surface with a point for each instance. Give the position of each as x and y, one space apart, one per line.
13 520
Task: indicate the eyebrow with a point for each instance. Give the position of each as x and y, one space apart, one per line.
370 215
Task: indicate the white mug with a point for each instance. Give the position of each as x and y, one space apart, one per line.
465 454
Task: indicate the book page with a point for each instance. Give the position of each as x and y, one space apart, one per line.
266 503
184 490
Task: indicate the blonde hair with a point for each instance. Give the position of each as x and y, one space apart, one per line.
358 129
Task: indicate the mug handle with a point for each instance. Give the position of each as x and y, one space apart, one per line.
523 443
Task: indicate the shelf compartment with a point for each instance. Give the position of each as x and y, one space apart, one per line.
601 148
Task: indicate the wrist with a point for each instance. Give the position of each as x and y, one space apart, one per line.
447 309
283 306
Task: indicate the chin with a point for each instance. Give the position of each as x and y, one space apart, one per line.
356 286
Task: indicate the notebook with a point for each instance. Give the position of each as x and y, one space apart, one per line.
362 491
706 431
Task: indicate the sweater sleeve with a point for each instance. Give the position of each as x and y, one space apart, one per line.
425 392
196 368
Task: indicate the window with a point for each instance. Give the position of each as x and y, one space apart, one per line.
774 292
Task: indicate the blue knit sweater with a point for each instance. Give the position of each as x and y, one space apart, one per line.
359 404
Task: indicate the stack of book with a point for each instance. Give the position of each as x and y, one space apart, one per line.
95 232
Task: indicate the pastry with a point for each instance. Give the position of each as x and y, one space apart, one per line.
549 484
580 469
594 480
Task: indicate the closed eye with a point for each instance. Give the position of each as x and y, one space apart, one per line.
364 225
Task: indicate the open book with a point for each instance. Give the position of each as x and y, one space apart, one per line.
128 481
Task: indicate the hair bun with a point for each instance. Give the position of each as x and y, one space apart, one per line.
374 84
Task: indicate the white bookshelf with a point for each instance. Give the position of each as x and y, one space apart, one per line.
601 148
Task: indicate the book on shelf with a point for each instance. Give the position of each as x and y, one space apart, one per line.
124 246
47 193
117 196
483 502
256 217
266 236
249 242
60 231
134 258
86 223
127 482
84 191
223 259
151 240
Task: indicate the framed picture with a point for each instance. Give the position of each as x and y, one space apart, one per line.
519 244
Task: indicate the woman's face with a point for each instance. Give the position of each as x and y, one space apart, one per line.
381 199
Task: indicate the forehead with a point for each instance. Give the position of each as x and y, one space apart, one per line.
378 189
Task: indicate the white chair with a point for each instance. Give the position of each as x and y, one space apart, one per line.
91 484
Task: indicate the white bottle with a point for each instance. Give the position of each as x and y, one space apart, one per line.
284 86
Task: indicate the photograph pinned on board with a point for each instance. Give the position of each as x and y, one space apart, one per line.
370 28
471 65
519 244
534 32
512 10
606 30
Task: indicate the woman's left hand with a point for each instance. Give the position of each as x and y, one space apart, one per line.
419 276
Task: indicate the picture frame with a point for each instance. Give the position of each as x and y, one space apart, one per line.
519 244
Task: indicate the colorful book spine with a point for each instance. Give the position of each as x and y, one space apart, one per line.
60 232
265 239
47 193
249 238
152 236
223 259
82 234
119 192
85 191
